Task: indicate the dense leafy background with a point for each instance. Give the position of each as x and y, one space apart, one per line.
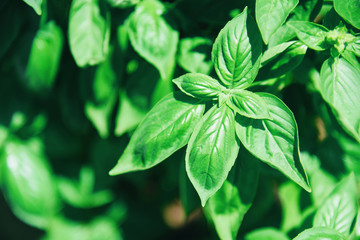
78 76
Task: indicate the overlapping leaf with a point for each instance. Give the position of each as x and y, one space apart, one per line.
199 86
320 233
271 14
232 201
164 130
236 53
274 141
311 34
211 151
340 208
249 104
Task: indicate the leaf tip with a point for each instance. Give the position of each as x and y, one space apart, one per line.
113 172
203 201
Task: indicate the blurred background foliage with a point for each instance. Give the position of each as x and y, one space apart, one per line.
76 78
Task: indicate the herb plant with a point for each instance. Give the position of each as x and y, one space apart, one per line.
254 105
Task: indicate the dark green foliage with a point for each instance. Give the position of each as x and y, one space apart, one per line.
161 119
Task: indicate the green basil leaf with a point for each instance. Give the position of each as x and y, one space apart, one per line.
322 184
164 130
340 208
128 115
200 86
194 55
274 51
267 233
99 107
152 37
44 57
284 62
311 34
349 10
270 15
339 86
236 53
89 32
355 46
100 115
274 141
228 206
289 195
249 104
211 151
350 56
27 183
320 233
306 10
35 4
81 193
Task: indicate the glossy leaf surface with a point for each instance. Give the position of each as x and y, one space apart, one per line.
249 104
311 34
320 233
164 130
340 86
198 85
339 209
271 14
236 53
283 62
349 10
274 141
211 151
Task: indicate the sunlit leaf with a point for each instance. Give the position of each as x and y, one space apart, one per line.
194 55
349 10
339 85
211 151
152 36
340 208
164 130
89 32
236 53
274 141
271 14
199 86
28 184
